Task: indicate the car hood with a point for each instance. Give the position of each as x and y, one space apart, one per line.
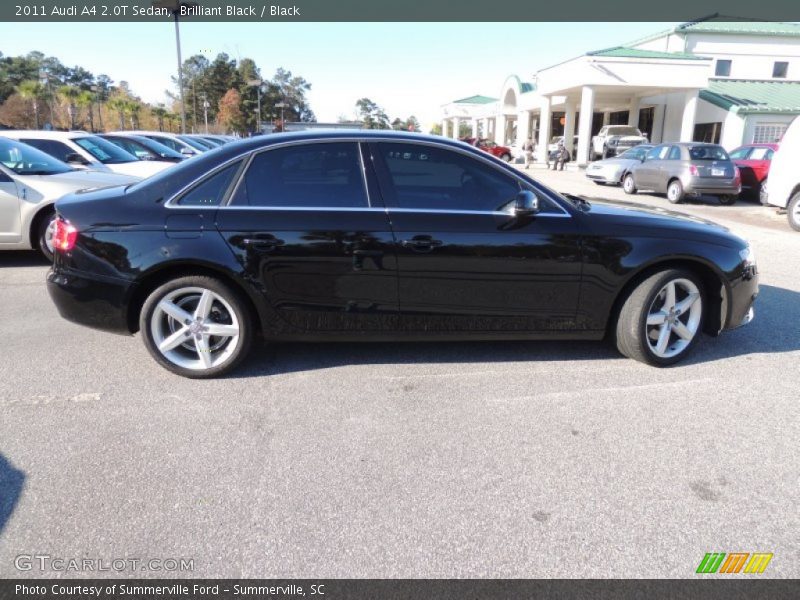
628 218
38 188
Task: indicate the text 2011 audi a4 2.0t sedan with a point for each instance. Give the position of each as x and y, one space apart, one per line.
367 236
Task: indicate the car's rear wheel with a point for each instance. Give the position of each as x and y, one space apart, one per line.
506 157
661 319
793 212
675 191
44 235
196 326
727 200
629 184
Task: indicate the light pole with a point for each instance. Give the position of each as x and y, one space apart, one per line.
282 105
175 6
206 106
257 83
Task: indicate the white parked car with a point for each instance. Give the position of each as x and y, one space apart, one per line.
615 139
179 143
86 151
30 182
613 170
782 186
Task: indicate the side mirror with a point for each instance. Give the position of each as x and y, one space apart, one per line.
526 204
74 158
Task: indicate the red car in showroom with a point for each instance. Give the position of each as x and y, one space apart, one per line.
753 161
501 152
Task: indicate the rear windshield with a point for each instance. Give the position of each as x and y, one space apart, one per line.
708 153
103 150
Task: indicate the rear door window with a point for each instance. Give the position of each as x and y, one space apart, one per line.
316 175
212 190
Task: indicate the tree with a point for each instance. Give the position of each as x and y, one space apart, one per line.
85 100
69 94
230 112
159 112
119 104
372 115
33 92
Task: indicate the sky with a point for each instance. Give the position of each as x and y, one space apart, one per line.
407 68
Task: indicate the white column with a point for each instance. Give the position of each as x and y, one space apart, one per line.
456 127
474 128
523 127
545 119
633 111
569 124
585 125
500 129
606 117
689 111
444 127
485 127
658 123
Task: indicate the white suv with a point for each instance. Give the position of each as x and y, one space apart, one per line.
86 151
615 139
782 186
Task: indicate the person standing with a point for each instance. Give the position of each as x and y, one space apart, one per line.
527 151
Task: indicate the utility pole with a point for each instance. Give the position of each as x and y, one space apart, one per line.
206 105
175 7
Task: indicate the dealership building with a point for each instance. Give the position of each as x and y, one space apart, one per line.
716 80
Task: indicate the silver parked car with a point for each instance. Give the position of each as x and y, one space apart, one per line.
612 170
686 168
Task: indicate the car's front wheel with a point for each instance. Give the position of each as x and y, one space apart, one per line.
196 326
661 319
629 184
675 191
793 212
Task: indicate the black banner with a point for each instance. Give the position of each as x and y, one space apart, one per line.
382 10
398 589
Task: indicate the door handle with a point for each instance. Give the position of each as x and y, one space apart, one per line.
421 243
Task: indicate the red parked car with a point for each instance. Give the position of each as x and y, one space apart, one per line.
502 152
753 161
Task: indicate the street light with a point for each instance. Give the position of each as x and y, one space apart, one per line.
282 105
257 83
206 106
174 6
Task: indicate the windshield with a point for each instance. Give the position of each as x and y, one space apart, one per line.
103 150
194 143
623 130
27 160
636 153
162 150
707 153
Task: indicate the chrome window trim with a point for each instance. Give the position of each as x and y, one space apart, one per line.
249 155
388 210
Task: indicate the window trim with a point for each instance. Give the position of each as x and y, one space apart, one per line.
173 200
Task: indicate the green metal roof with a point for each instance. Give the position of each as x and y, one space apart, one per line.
478 99
731 25
747 96
625 52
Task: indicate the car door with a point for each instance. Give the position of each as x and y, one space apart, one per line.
315 237
646 174
465 262
9 209
671 165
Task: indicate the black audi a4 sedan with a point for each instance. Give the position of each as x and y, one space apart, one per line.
384 236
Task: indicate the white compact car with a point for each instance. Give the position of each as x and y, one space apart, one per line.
782 186
86 151
30 182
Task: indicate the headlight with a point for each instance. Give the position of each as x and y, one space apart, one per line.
748 255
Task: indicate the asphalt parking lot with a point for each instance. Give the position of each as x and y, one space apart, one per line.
408 460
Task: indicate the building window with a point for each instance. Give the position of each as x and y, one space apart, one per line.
779 69
723 68
707 132
769 133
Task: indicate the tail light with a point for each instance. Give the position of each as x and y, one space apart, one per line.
693 171
737 176
64 236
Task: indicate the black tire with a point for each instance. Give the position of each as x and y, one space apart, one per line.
237 305
727 199
793 212
675 191
598 182
631 325
629 184
605 152
42 233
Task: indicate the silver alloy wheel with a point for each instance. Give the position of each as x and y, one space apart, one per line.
673 192
49 233
796 213
194 328
627 184
673 318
